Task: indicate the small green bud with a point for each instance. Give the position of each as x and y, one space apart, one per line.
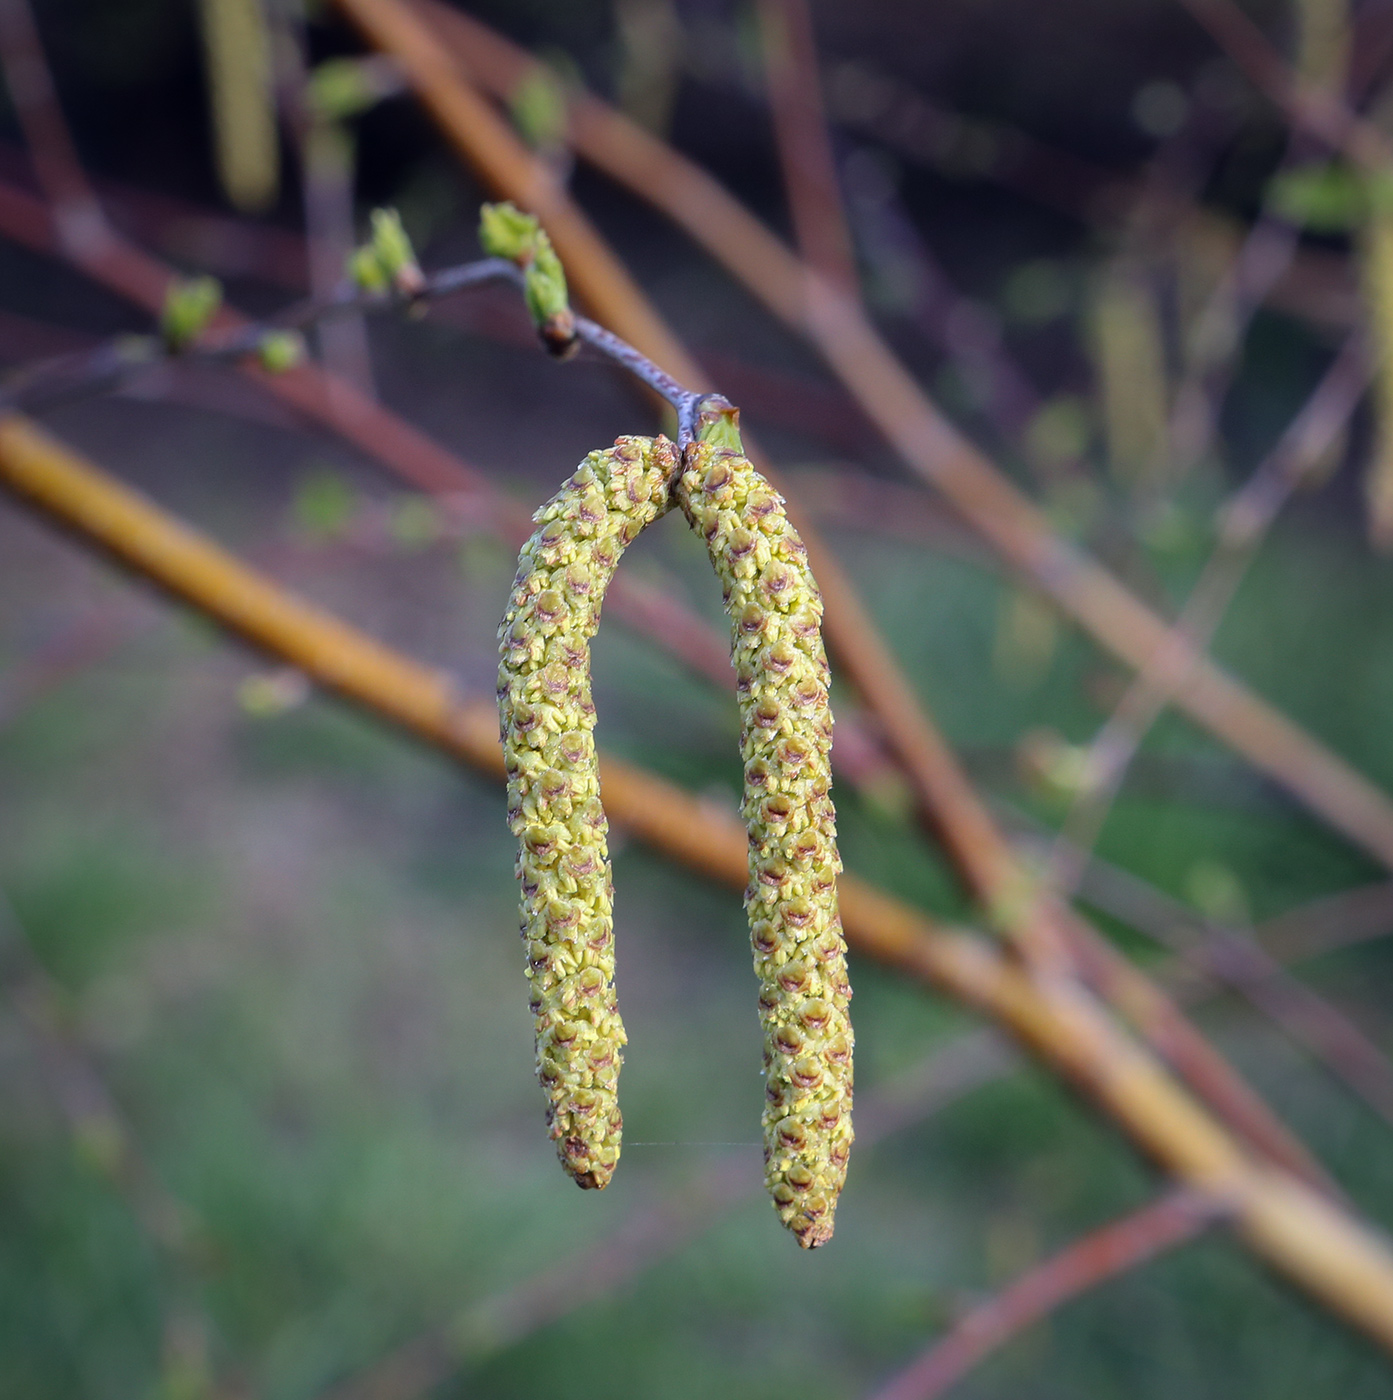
99 1142
324 504
506 232
1052 767
387 262
270 693
394 251
189 305
365 271
544 290
1217 892
416 522
718 422
279 351
545 285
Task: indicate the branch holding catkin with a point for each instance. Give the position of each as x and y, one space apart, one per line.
547 718
775 613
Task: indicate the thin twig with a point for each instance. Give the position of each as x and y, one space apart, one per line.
1212 952
1330 924
1105 1253
102 367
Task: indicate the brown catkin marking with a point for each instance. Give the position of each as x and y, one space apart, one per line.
775 613
546 716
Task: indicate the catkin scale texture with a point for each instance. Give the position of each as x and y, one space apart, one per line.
546 717
775 613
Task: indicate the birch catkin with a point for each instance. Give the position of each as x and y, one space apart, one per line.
546 717
786 739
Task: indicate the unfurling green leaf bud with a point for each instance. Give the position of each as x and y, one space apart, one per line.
775 611
546 717
544 289
506 232
189 305
394 251
387 262
365 272
279 351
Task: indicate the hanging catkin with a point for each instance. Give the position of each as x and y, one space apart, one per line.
775 612
546 716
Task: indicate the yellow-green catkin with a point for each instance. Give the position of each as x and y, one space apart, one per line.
547 717
786 740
